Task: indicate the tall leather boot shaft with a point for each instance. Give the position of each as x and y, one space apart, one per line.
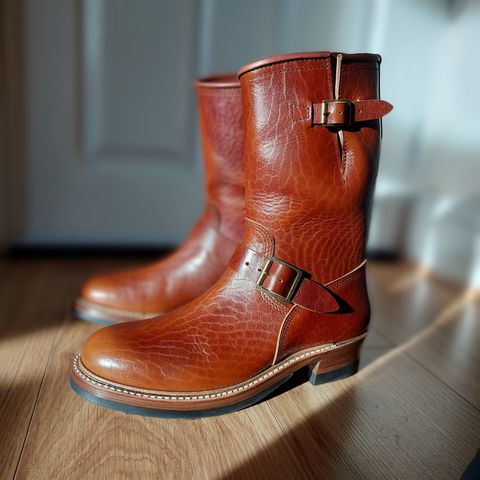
157 288
221 126
306 185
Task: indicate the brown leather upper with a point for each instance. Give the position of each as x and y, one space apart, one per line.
314 195
298 278
221 125
202 258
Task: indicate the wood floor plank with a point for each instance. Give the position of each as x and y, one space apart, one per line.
399 418
405 300
375 340
29 320
35 295
437 325
451 351
73 439
392 420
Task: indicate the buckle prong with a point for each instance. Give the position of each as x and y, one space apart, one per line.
324 112
293 288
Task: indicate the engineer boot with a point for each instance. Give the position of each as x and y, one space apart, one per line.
294 294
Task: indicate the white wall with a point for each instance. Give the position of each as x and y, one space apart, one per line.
428 177
445 228
426 202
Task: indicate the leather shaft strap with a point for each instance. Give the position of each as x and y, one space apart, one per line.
346 112
283 281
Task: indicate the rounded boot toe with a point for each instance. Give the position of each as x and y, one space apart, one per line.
101 290
107 354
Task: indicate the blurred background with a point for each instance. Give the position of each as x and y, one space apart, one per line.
99 129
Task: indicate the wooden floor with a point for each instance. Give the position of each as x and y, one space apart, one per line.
412 412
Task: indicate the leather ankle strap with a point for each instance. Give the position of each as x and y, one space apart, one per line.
283 281
336 113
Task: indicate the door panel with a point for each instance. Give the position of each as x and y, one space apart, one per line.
110 121
135 101
112 149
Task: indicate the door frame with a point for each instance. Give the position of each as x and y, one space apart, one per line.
12 97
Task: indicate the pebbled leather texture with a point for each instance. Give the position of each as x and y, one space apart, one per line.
307 201
166 284
313 195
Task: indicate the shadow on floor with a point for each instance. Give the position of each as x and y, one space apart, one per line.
322 441
36 292
16 411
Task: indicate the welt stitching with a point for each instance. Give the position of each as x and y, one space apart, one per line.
270 372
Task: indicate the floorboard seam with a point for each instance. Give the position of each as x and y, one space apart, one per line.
411 357
47 365
383 337
284 435
424 367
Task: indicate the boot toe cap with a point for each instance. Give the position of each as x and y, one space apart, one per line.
107 353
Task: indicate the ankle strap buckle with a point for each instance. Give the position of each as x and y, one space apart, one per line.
335 113
299 275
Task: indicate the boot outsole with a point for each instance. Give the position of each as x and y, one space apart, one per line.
326 363
315 380
150 412
89 318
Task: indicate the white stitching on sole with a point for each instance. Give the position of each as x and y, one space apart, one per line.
236 389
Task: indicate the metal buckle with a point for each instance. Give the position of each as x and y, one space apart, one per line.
266 268
324 113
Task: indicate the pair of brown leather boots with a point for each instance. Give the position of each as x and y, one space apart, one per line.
272 277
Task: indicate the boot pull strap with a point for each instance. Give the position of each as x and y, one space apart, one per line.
337 113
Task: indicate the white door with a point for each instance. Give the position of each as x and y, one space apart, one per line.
110 121
111 145
112 152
